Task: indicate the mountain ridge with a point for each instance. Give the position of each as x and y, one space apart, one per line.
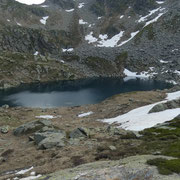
73 31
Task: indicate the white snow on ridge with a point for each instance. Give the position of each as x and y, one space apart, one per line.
104 42
177 72
44 6
163 62
68 50
31 2
144 18
121 16
18 24
44 20
81 21
139 119
69 10
133 34
154 20
90 38
81 5
36 53
160 2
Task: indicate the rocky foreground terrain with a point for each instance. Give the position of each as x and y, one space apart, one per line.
69 143
66 39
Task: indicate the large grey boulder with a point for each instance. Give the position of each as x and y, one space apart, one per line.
158 108
164 106
79 133
32 127
50 139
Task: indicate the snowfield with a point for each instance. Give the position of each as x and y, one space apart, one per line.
138 119
31 2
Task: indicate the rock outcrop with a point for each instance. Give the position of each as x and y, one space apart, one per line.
164 106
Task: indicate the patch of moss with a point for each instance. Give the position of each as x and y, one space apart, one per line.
149 32
121 59
166 167
100 65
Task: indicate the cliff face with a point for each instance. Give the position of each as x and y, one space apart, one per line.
139 35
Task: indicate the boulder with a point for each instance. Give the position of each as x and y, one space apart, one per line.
79 133
50 139
164 106
158 108
177 117
32 127
116 131
4 129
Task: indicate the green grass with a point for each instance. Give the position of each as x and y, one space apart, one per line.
166 167
166 141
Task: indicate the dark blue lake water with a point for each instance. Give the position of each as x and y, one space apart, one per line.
74 93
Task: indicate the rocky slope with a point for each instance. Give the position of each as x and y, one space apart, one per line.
95 38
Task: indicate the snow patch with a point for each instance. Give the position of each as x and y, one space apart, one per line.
69 10
144 18
44 6
90 38
25 170
36 53
171 82
18 24
44 20
81 5
31 2
135 74
121 16
164 62
68 50
81 21
139 118
46 117
175 50
133 34
159 2
177 72
85 114
104 42
154 20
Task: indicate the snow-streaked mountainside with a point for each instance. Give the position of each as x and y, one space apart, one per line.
97 37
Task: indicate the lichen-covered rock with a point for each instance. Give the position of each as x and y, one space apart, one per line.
164 106
78 133
32 127
50 139
4 129
130 168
